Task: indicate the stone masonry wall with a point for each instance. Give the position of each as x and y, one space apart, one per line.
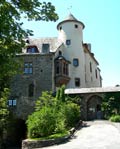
41 78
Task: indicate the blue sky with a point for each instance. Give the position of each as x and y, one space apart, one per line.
102 30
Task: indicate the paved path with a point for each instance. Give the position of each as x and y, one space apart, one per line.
97 135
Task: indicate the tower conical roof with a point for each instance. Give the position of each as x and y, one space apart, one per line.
70 18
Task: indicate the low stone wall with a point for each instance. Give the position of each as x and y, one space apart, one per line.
31 144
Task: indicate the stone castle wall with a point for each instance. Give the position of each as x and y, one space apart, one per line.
41 78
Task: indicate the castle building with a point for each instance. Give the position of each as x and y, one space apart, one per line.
50 62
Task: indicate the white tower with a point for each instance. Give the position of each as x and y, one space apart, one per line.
70 33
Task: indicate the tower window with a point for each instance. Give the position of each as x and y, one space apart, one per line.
28 68
60 27
45 48
75 62
31 90
68 42
76 26
77 82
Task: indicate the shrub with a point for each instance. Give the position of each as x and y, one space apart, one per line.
72 114
45 122
53 115
115 118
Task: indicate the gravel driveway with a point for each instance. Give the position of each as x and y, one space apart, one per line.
96 135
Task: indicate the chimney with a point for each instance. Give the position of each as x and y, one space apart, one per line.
89 46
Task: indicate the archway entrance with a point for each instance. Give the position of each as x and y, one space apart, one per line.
94 108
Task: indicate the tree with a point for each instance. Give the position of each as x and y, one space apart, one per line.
12 33
111 104
4 113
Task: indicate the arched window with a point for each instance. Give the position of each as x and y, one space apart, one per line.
31 90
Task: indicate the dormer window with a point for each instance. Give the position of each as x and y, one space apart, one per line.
45 48
32 49
27 41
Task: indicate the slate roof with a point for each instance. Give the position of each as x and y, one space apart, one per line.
52 41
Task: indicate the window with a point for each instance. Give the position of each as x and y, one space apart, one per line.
61 67
57 68
60 53
31 90
64 68
12 102
75 62
60 27
45 48
76 26
28 68
90 67
77 82
68 42
96 73
32 49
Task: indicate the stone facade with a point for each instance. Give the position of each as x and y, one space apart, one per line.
42 68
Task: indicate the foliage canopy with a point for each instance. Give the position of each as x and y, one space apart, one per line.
4 113
111 104
12 33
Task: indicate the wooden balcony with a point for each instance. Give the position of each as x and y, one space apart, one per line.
61 79
61 71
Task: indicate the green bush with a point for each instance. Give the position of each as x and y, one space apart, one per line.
45 122
52 115
115 118
72 114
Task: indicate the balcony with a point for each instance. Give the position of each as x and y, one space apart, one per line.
61 71
61 79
